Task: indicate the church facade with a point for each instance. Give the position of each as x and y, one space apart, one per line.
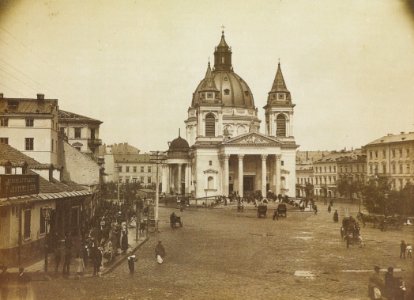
223 151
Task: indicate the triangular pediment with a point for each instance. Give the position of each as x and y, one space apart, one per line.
253 138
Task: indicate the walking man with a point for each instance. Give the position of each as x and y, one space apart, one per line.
403 248
159 252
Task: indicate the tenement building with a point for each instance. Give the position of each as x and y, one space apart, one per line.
392 157
224 152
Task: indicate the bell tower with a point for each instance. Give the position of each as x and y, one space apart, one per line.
279 109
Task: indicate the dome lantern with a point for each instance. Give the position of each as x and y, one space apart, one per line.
222 56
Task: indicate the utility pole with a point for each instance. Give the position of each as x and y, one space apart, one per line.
157 157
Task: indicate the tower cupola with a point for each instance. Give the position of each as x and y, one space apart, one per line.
222 56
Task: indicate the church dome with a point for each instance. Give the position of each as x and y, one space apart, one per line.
179 144
231 89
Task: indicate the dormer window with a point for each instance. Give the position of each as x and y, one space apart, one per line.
12 104
210 95
246 93
226 92
281 96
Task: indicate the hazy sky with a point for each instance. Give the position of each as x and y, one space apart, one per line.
135 64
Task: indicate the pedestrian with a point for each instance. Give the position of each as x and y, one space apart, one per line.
159 252
275 215
124 240
329 208
80 265
97 260
403 248
58 254
131 263
389 282
409 251
375 284
23 280
335 216
68 254
315 209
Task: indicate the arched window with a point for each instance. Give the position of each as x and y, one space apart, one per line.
280 125
210 182
210 125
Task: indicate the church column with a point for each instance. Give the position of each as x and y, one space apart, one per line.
226 175
264 171
277 173
187 176
241 156
164 179
178 189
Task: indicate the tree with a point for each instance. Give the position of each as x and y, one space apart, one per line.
348 187
375 194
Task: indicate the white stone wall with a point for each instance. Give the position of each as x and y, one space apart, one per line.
43 132
289 164
203 158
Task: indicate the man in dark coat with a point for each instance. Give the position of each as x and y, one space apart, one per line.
68 254
159 250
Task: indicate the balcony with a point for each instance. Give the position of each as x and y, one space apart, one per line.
94 143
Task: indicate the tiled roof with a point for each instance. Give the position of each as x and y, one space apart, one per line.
393 138
123 148
72 117
27 106
17 158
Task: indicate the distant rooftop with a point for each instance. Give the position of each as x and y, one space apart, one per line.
67 116
132 158
38 105
394 138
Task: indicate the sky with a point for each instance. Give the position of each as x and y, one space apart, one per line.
134 65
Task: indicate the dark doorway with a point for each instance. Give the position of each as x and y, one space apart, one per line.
248 183
231 188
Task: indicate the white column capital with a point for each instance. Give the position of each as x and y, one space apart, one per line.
240 156
278 156
263 156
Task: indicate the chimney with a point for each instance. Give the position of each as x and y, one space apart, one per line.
40 96
402 132
1 95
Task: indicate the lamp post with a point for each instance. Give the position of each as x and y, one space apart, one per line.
46 215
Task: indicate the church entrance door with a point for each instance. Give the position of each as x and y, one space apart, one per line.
248 183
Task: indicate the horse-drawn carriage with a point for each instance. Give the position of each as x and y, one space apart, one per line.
350 232
261 210
394 222
380 221
280 211
175 221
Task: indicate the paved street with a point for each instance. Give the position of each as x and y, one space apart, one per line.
222 254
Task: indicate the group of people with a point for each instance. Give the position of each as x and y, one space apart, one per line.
406 248
392 288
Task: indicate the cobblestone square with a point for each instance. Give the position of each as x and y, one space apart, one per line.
223 254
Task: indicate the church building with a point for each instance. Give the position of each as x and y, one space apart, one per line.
223 151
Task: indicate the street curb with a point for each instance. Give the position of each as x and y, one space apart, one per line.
118 262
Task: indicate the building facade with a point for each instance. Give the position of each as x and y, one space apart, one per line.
81 132
27 189
31 126
392 157
124 163
224 151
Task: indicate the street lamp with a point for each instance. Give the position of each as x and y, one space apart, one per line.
46 211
